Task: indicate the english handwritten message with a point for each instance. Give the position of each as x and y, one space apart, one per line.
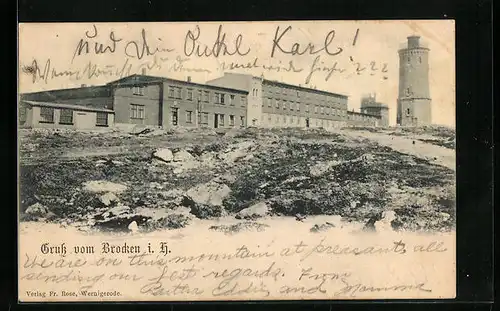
316 267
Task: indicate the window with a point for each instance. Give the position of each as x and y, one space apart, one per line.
322 110
219 98
284 119
277 105
269 119
231 120
138 90
420 59
307 108
206 96
200 95
46 115
327 111
298 106
269 102
101 119
136 111
315 109
243 101
221 120
284 105
204 118
408 111
175 92
231 100
242 121
189 117
298 94
66 116
291 106
189 94
408 60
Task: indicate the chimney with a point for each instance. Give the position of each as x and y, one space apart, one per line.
143 71
189 79
413 42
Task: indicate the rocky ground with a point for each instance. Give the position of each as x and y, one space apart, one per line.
151 179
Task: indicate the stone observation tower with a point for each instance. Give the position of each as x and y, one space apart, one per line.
414 100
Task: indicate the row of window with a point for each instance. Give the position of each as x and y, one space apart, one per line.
66 116
292 120
296 106
203 118
175 92
292 92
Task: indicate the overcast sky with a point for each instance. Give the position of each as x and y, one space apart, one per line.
374 46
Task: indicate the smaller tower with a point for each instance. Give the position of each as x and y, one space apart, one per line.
369 105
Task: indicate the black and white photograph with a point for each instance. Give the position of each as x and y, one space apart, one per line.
237 160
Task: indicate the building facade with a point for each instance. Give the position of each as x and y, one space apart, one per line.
234 100
168 103
277 104
414 100
362 119
55 115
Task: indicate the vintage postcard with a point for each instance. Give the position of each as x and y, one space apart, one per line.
202 161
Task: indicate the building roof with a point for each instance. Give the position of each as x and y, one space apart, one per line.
146 79
301 88
374 105
66 106
73 93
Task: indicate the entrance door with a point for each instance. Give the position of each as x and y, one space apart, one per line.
175 116
307 122
216 120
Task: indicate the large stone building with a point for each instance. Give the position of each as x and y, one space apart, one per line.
156 101
277 104
234 100
414 100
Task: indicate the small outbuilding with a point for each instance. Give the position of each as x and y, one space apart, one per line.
34 114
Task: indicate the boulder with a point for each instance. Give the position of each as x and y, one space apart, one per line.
37 210
164 155
101 186
211 193
255 211
183 156
133 226
322 167
108 198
